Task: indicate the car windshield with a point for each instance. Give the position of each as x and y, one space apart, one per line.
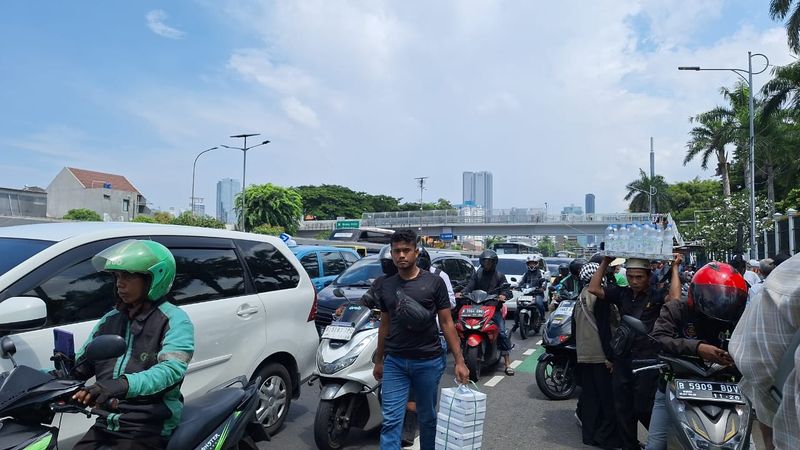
343 235
15 250
511 266
361 273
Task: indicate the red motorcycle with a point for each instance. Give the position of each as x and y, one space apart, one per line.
478 332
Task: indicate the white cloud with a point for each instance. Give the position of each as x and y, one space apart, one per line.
156 22
300 112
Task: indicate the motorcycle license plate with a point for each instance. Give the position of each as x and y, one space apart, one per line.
709 391
338 332
472 312
525 300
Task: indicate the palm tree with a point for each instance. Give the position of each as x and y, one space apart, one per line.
638 193
778 10
710 138
783 89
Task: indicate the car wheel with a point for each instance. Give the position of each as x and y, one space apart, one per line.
275 395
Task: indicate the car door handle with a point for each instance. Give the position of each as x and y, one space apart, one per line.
246 312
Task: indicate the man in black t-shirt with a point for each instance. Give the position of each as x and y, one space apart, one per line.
409 353
634 394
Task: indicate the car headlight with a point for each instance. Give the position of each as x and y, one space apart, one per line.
345 361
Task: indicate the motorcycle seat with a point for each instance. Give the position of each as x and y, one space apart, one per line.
202 415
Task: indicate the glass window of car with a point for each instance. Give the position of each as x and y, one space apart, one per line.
376 237
310 262
511 266
270 270
361 273
453 270
16 250
466 268
350 258
204 274
332 263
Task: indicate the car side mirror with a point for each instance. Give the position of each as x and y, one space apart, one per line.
635 324
338 292
22 314
106 346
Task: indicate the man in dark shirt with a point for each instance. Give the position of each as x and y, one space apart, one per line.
634 394
409 350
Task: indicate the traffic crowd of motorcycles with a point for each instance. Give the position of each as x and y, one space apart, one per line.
688 399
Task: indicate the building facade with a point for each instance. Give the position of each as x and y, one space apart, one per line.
111 196
227 188
589 206
478 190
27 202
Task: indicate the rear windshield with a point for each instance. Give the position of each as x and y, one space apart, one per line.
512 266
360 274
343 235
15 250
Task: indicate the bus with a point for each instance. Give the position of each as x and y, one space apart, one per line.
513 248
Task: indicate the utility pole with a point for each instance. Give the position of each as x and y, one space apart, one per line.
421 182
652 173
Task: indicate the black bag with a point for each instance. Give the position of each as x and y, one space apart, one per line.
622 341
412 315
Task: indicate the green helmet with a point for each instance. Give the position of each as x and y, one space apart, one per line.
140 256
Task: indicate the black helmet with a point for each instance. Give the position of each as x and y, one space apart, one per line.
563 269
423 259
575 266
385 257
596 258
488 260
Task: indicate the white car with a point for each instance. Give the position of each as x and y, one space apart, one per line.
250 300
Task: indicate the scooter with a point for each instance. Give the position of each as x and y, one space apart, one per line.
555 371
223 418
478 332
706 407
529 315
350 394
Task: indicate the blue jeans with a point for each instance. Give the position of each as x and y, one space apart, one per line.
659 423
399 375
504 343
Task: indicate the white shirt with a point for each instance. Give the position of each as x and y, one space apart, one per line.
448 284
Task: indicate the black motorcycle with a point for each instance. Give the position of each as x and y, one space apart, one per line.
529 315
223 418
555 371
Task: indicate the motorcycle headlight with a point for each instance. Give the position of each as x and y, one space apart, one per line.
695 431
345 361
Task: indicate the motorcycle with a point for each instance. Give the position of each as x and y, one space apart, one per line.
555 371
478 332
223 418
529 316
349 393
706 407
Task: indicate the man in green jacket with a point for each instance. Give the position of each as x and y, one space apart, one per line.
137 396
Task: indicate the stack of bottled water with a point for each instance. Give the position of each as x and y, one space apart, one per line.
645 239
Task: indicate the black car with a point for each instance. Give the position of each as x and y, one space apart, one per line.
355 281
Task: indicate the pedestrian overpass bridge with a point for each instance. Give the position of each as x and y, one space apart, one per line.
506 223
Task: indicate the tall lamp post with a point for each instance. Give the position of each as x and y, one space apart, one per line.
650 192
752 137
194 169
244 148
421 181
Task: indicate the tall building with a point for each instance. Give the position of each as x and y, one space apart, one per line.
477 189
589 204
227 188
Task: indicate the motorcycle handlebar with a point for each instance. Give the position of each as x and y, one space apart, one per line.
644 362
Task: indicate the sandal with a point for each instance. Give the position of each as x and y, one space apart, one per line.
509 371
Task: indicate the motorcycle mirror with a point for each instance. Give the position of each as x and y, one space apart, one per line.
338 292
7 349
635 324
106 346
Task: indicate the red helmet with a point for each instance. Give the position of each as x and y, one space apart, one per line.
719 292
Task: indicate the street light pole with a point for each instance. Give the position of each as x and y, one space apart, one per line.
244 148
752 137
194 167
421 181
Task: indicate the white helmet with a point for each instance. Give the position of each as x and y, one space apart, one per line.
533 258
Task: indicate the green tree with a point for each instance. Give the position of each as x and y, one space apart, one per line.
144 219
638 193
162 217
792 200
718 227
546 246
188 219
708 138
268 229
269 204
83 214
327 202
779 10
690 197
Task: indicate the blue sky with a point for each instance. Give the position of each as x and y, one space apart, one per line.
368 94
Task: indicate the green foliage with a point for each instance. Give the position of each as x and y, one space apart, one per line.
717 228
792 200
491 240
83 214
143 219
546 246
327 202
269 204
323 235
197 221
639 197
441 204
688 197
268 229
162 217
780 10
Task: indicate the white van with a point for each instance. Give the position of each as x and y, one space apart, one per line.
250 300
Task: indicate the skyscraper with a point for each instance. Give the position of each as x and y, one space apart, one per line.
477 189
227 188
589 204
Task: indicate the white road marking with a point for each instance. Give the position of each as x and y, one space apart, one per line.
529 352
493 382
514 364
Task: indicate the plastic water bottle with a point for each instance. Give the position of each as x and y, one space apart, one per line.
666 240
610 238
658 240
635 238
623 238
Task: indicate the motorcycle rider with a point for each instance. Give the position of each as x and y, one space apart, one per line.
570 286
488 278
137 397
634 394
533 277
563 272
698 326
